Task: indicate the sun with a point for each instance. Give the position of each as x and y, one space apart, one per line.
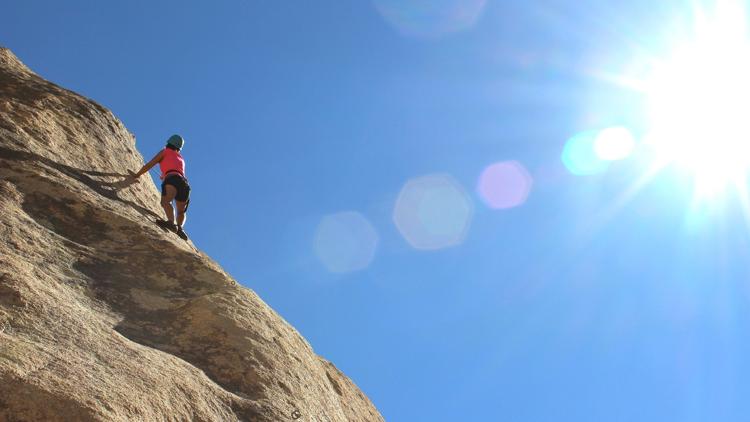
699 101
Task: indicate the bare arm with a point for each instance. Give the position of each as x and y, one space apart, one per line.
133 177
157 158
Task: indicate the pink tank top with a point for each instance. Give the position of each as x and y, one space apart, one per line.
173 162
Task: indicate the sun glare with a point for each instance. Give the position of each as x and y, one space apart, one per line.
699 102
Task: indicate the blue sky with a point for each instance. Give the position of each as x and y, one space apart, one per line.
578 303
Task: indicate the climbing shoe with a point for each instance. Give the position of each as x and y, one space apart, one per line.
180 232
166 225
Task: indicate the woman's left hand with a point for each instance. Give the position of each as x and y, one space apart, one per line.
129 180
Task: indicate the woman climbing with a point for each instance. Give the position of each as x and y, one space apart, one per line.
174 186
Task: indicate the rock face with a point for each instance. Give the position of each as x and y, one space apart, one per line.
104 316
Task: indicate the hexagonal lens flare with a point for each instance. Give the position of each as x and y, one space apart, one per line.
433 212
504 185
430 18
345 242
579 155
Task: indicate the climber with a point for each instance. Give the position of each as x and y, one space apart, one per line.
174 187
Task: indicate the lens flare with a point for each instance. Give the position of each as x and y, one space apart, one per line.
430 18
580 157
433 212
614 143
504 185
699 100
345 242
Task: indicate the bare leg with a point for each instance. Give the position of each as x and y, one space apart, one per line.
181 216
166 202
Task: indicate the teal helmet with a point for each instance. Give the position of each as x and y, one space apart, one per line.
176 141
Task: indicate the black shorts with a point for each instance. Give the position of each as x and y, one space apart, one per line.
180 183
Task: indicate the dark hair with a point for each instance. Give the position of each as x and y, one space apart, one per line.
172 147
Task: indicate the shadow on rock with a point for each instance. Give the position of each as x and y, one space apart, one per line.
106 189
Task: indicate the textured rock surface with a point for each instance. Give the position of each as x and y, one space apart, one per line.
104 316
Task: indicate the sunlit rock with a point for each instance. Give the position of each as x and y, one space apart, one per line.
106 317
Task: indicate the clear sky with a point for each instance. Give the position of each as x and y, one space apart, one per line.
411 184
